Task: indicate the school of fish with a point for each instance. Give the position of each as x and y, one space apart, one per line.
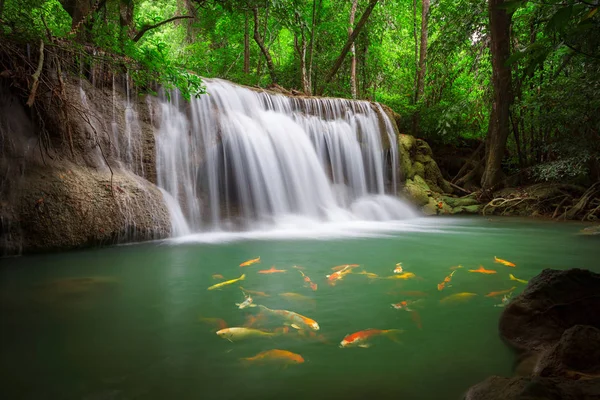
291 323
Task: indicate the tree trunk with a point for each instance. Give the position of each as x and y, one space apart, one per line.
338 63
311 47
416 38
501 79
420 89
263 49
246 44
303 71
352 50
1 8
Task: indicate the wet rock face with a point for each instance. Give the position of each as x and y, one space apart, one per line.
553 302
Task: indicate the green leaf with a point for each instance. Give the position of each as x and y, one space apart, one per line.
559 19
512 6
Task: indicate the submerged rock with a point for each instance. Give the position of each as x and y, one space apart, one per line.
591 230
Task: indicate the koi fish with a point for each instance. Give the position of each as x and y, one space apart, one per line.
308 282
456 267
276 357
501 292
215 322
297 321
297 297
446 280
341 267
505 301
238 333
218 276
458 297
250 262
403 305
272 270
256 293
398 269
404 275
504 262
362 338
482 270
245 303
230 282
513 278
369 275
298 267
253 320
338 275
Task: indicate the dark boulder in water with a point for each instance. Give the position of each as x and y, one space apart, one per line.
555 325
553 302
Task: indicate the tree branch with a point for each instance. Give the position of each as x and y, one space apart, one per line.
146 28
36 76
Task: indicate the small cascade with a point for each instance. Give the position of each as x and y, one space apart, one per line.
239 157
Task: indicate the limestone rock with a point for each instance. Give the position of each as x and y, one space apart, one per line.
578 351
472 209
459 201
417 191
553 302
419 169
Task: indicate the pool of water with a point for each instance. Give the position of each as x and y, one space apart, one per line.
141 325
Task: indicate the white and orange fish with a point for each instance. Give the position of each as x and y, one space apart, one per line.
308 282
362 338
446 280
240 333
274 357
404 305
398 269
482 270
338 275
246 303
341 267
295 320
271 270
504 262
250 262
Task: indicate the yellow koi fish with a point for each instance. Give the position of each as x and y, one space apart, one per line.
482 270
513 278
458 297
276 357
230 282
238 333
368 274
404 275
504 262
501 292
250 262
296 320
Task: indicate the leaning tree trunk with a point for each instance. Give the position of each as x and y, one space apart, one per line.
246 44
501 79
352 50
259 41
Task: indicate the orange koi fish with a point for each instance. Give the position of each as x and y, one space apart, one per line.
403 305
308 282
338 275
297 321
501 292
250 262
482 270
398 269
274 357
504 262
446 280
218 276
256 293
361 338
272 270
341 267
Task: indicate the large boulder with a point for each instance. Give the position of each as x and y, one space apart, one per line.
553 302
417 191
535 388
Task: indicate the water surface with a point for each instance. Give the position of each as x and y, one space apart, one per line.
134 331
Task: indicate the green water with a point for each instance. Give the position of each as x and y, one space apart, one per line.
137 334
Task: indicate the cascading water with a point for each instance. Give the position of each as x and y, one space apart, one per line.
241 157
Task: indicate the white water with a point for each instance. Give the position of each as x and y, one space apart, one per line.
239 157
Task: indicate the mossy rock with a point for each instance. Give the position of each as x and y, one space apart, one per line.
424 159
472 209
418 169
423 147
406 167
459 201
433 207
417 192
591 230
407 141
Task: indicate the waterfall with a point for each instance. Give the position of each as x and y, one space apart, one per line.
237 157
